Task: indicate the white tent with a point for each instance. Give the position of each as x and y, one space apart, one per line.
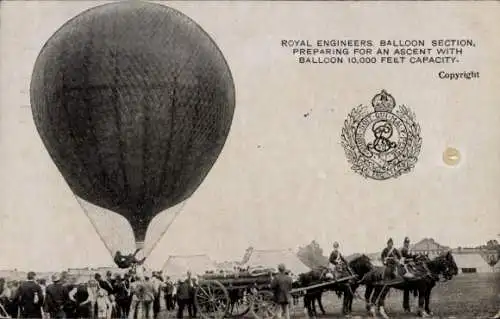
272 258
471 263
177 266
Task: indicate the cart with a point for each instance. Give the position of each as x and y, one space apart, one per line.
235 295
245 293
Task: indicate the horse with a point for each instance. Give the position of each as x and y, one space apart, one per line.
311 296
359 266
322 275
380 280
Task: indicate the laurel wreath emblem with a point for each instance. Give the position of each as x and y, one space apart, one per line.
364 166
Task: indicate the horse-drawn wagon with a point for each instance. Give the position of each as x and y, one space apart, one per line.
246 293
235 294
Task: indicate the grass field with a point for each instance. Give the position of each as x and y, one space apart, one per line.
466 296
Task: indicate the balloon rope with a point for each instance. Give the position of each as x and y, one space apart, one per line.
178 211
94 225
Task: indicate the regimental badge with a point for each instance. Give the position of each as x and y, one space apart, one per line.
384 143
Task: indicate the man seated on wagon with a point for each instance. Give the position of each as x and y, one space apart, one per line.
337 261
390 259
408 257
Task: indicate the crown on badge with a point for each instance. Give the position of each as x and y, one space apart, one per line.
383 102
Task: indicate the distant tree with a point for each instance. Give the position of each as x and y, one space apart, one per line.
312 255
492 244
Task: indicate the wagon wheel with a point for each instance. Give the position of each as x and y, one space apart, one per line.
264 306
211 299
240 303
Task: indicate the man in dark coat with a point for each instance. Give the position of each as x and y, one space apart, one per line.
192 288
282 286
121 296
336 259
408 257
54 300
168 294
390 258
69 283
30 298
183 296
104 284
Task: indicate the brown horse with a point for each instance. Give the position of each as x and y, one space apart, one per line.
359 266
380 280
323 275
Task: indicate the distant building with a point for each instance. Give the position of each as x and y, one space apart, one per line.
428 247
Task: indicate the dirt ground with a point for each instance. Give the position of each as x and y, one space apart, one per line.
466 296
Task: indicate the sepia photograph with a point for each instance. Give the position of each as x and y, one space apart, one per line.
249 159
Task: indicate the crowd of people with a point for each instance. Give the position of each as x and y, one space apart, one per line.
117 296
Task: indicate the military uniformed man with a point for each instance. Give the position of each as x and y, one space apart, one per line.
336 257
407 257
390 252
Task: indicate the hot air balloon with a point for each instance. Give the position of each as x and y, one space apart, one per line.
133 102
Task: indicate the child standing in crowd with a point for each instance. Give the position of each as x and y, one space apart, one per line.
103 304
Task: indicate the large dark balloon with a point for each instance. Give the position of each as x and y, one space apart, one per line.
134 102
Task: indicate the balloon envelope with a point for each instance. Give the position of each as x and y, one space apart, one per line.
134 102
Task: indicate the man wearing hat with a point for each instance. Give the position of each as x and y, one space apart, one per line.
282 286
30 298
54 300
183 293
407 257
390 253
128 261
336 257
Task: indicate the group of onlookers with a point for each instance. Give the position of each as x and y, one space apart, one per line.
109 297
130 296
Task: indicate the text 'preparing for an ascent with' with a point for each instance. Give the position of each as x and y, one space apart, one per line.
394 52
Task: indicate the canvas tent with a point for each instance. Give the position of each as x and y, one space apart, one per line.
471 263
177 266
272 258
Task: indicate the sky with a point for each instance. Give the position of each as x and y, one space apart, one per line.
282 179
